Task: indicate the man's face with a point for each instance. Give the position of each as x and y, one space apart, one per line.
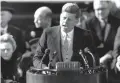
40 20
68 21
102 10
34 47
6 51
5 17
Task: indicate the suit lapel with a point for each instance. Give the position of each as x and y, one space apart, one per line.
75 40
107 31
9 30
57 42
97 28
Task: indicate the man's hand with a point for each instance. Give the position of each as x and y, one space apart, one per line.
118 63
105 58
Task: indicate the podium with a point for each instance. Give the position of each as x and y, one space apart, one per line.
98 74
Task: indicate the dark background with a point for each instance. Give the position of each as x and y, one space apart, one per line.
24 11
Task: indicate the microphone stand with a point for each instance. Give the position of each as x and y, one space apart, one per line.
49 65
47 51
87 50
84 59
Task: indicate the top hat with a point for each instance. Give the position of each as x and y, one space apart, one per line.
7 7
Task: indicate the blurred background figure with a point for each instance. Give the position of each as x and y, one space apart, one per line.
42 20
82 18
43 17
104 28
9 58
115 62
115 8
6 15
118 64
27 58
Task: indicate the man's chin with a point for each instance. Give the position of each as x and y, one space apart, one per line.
102 18
7 59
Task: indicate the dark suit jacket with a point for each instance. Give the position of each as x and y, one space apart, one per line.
93 24
9 68
117 40
19 38
51 39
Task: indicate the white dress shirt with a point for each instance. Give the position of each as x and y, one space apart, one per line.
4 30
67 54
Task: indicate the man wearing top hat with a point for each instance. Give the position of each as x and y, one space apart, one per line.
6 15
66 40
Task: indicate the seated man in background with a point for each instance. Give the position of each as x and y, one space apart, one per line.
104 28
27 58
115 8
115 63
7 13
8 58
64 40
42 20
118 64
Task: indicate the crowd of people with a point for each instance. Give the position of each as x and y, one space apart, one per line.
100 34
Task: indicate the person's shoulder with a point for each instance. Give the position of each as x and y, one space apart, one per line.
52 29
113 20
91 19
27 54
82 29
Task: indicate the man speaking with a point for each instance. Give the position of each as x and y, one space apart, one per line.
62 43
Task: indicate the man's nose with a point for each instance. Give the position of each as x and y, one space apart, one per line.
100 11
6 51
35 20
65 21
39 21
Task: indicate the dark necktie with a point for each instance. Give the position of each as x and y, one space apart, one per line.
103 31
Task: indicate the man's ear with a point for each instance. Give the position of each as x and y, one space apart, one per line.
77 20
60 15
10 16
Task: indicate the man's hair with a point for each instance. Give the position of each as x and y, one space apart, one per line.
96 2
46 10
71 8
7 38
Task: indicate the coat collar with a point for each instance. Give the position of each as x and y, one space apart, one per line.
98 29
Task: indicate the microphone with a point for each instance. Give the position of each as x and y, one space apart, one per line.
47 52
54 54
87 50
84 59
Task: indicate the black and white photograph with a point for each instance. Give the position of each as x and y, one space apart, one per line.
60 41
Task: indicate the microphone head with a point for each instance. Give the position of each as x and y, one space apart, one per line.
54 53
86 49
80 52
47 51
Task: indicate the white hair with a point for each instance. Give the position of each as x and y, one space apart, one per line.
45 10
7 38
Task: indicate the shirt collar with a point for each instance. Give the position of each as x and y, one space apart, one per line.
63 33
5 28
